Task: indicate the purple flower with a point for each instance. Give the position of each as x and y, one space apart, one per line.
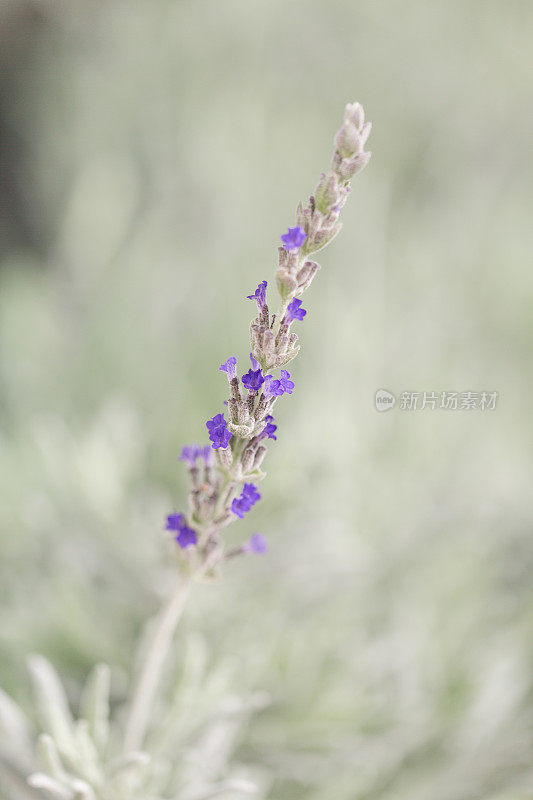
294 311
255 364
207 455
189 454
174 522
253 380
184 535
239 507
218 431
250 493
230 366
272 387
285 381
256 544
248 498
269 429
259 295
294 238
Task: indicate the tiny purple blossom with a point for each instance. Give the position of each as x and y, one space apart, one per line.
285 381
272 387
218 431
257 544
251 494
174 522
230 367
253 380
259 295
184 535
216 421
269 429
294 311
239 506
255 364
294 238
207 454
189 454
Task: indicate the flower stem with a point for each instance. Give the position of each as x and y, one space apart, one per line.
142 700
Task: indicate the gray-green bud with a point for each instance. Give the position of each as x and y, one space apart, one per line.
327 193
286 283
347 140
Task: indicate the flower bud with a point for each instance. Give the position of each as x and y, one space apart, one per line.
235 389
327 193
264 316
224 457
282 343
225 519
233 407
286 283
351 166
255 339
355 114
243 431
194 473
324 237
247 459
207 506
259 456
314 226
306 275
303 218
261 408
194 501
268 342
365 132
347 140
284 358
283 257
243 414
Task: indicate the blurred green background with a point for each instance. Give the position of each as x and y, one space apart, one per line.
152 154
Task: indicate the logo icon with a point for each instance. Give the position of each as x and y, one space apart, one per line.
384 400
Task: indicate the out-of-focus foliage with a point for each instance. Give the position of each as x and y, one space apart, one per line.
188 753
156 152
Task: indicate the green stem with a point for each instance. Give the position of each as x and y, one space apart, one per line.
144 693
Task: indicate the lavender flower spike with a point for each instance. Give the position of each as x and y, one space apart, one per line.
294 311
212 499
229 367
294 238
218 432
241 438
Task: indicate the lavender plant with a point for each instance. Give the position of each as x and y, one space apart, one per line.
223 476
94 757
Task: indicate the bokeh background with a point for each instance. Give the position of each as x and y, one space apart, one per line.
152 153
